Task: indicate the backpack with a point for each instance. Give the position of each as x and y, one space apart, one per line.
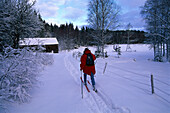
89 60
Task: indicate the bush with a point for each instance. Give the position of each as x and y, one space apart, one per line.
18 73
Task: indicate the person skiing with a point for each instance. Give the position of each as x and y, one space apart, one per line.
88 66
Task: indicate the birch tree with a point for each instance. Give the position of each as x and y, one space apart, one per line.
128 27
156 15
102 16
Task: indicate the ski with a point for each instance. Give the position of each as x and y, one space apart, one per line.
95 90
87 88
85 85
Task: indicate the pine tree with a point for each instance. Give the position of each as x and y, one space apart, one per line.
19 20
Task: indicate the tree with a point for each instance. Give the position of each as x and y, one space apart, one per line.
18 73
102 16
66 36
128 27
18 67
77 36
18 20
83 36
156 15
5 18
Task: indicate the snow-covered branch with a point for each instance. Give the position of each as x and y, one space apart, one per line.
18 73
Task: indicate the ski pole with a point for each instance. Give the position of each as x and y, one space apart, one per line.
81 85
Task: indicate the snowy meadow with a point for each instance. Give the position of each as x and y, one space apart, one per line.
123 83
126 79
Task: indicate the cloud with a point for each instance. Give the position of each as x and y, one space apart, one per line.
131 13
56 2
73 14
47 9
62 11
131 4
134 18
53 21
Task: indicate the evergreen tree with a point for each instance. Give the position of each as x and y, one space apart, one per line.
77 37
18 20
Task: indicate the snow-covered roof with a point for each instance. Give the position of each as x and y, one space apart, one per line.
38 41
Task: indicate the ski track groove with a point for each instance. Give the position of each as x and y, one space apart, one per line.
98 102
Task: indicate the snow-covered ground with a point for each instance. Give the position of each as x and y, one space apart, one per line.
124 87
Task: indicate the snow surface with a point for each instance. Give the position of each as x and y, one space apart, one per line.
38 41
123 88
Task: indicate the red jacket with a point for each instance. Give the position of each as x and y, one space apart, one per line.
87 69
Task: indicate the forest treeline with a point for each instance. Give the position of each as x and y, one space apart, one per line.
70 36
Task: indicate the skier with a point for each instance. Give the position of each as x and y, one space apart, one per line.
88 66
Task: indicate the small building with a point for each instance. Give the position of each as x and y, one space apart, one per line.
50 44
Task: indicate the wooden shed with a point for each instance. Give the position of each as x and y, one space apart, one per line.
50 44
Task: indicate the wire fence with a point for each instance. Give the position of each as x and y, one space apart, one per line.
78 54
161 82
139 74
119 75
139 82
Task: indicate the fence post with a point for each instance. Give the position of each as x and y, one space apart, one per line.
104 67
152 85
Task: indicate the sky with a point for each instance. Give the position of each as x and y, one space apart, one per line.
75 11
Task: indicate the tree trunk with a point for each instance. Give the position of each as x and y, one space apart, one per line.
168 50
154 46
164 49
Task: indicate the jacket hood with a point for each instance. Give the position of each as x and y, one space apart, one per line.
87 52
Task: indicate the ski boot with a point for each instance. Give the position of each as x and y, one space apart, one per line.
94 89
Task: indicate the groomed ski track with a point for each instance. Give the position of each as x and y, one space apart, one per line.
96 102
59 87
